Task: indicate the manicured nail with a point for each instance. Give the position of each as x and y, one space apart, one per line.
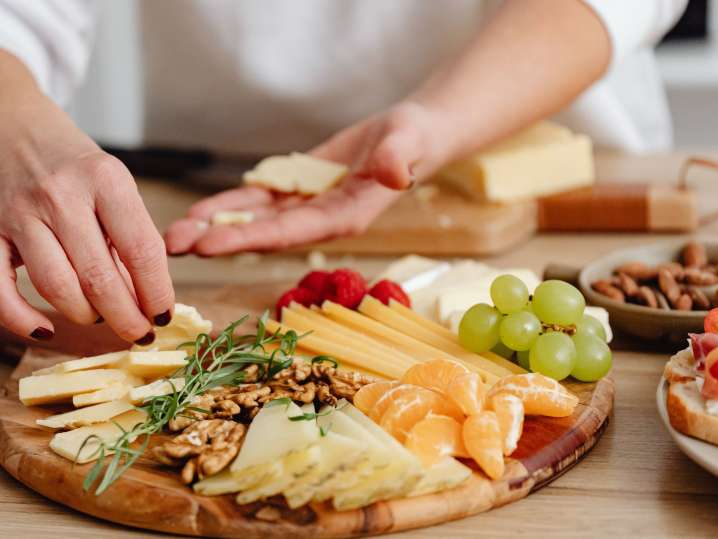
99 320
42 334
147 339
163 319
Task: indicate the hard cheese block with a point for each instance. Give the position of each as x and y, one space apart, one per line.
296 173
59 387
541 160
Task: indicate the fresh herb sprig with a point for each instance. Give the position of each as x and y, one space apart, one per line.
210 363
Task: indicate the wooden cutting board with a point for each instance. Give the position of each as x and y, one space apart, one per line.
437 220
150 496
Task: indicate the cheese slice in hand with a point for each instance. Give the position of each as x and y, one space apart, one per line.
85 363
68 444
296 173
154 363
90 415
186 325
48 388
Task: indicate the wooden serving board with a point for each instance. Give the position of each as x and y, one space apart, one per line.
151 496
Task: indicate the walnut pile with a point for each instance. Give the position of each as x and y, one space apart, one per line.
204 448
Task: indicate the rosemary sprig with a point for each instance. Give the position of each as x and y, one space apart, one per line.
210 363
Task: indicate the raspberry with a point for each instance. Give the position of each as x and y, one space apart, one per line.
385 290
303 296
318 281
346 287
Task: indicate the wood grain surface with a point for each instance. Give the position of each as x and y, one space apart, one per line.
151 496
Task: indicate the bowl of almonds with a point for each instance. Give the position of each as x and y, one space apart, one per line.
655 291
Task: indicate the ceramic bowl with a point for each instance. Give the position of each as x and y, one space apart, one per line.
638 320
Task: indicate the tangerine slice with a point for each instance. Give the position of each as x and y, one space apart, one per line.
541 395
435 374
509 411
482 438
368 395
387 398
436 437
407 409
468 392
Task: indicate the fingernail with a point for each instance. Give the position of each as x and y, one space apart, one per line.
147 339
42 334
163 319
99 320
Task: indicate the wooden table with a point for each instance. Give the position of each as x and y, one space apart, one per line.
635 482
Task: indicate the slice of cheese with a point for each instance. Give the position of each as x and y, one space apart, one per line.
48 388
296 172
114 392
86 416
226 482
541 160
232 217
154 363
68 444
86 363
414 272
186 325
445 474
158 388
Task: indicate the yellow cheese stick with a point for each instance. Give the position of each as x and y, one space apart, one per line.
300 351
418 349
441 331
346 356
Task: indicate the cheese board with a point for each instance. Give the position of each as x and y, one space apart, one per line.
151 496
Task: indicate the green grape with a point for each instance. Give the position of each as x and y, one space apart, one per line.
593 358
553 355
557 302
522 358
509 294
479 328
502 350
590 325
519 330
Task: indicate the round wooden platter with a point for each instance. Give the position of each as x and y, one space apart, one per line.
151 496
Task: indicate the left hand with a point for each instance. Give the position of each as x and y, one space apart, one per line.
394 148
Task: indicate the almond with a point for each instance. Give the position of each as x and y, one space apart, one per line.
694 255
668 285
605 288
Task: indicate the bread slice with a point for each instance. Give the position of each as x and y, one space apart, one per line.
687 412
680 367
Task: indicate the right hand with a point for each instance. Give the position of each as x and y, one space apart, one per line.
73 216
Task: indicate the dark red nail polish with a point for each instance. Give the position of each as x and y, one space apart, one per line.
99 320
42 334
147 339
163 319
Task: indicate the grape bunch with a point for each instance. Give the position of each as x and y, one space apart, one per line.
547 333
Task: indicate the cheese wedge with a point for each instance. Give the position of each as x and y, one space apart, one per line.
541 160
158 388
232 217
68 444
48 388
445 474
154 363
296 172
225 482
95 362
114 392
185 326
86 416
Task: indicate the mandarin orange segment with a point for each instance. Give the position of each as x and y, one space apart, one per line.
387 398
435 374
408 409
541 395
509 411
368 395
468 392
436 437
482 439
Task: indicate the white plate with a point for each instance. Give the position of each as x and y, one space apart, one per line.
702 453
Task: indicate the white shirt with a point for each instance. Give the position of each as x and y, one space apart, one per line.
270 76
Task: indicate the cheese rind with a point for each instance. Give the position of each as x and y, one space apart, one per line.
296 173
86 416
48 388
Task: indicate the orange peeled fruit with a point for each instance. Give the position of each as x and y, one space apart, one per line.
482 438
435 374
368 395
436 437
467 391
387 398
509 411
541 395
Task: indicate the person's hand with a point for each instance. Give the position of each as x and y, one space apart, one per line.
395 148
72 215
